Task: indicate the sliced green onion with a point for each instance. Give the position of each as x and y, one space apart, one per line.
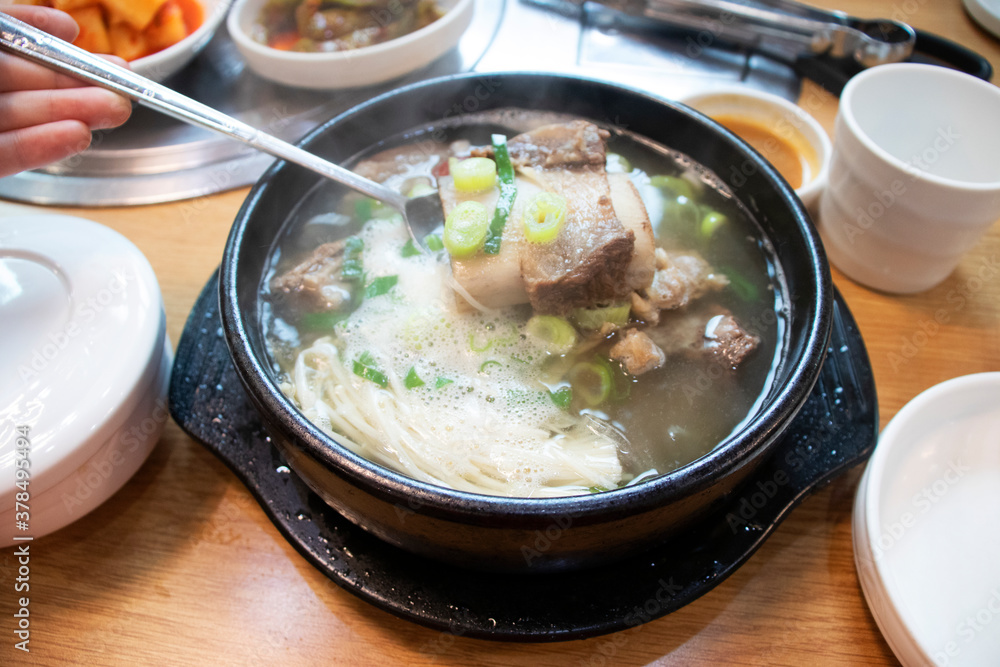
479 348
380 286
591 382
433 242
562 396
710 222
594 318
508 192
744 289
364 367
363 209
442 382
621 381
368 208
323 321
673 185
679 220
474 174
352 270
544 217
465 229
558 335
412 380
410 249
487 364
597 489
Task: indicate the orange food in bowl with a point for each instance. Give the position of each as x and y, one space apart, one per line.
795 160
130 29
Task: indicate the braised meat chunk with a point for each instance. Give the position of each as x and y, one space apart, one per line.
638 353
681 278
706 332
604 250
316 282
728 341
588 261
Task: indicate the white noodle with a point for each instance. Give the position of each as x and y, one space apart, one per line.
462 435
387 426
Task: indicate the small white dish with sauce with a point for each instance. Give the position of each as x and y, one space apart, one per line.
927 526
784 133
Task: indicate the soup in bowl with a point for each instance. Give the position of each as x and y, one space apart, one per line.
604 337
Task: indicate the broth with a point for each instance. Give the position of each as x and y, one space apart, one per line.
485 373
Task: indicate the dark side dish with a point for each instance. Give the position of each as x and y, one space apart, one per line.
340 25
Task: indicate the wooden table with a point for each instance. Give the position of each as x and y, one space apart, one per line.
182 567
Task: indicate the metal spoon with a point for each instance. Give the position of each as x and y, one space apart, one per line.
421 214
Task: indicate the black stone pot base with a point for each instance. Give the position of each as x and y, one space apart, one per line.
835 430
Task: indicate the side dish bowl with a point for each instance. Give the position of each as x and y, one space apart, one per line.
522 534
163 64
365 66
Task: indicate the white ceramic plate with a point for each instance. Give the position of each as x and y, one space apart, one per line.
927 526
986 13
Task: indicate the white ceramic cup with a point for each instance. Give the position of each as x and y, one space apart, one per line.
915 176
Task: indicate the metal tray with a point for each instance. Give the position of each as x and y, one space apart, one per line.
154 158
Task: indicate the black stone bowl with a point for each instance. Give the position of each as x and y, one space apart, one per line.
520 534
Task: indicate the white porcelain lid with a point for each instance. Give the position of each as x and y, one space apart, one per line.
927 526
81 338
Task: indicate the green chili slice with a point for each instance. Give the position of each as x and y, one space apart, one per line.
508 192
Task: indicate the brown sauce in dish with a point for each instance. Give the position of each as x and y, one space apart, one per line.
788 157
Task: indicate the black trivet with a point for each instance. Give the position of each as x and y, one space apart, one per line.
836 429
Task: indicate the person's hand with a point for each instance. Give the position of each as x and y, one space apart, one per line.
45 116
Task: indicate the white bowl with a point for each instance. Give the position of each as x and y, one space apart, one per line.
162 64
789 122
347 69
86 362
927 526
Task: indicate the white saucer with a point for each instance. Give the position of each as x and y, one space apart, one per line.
986 13
927 526
85 361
